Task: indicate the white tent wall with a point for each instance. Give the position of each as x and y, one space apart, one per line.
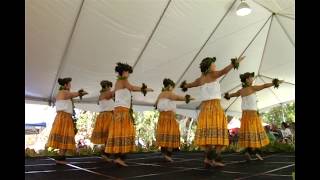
84 39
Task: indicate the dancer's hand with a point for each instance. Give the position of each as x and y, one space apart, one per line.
227 96
83 92
183 86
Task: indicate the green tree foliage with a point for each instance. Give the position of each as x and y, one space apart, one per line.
279 114
85 122
146 124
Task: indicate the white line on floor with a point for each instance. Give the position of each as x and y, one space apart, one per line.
93 172
264 173
47 171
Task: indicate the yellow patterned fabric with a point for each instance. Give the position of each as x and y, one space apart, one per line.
62 132
212 124
251 133
121 136
168 133
101 128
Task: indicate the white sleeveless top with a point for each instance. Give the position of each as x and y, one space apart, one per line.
106 105
122 98
249 102
210 91
165 104
64 105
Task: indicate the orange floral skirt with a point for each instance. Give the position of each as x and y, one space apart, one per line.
212 124
168 133
101 128
62 132
121 135
251 132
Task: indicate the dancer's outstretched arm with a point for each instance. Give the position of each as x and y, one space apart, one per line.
236 94
135 88
217 74
263 86
70 95
195 83
176 97
228 96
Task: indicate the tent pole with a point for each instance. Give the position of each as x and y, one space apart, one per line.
63 59
189 130
284 120
197 54
239 85
231 104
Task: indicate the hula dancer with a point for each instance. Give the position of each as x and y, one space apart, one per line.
252 135
168 133
121 137
63 128
106 106
212 123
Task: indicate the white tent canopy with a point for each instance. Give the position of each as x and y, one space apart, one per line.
84 39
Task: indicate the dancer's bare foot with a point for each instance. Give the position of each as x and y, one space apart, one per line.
248 157
168 158
217 164
259 157
208 163
61 162
120 162
106 158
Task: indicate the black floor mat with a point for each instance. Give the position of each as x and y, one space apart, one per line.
186 165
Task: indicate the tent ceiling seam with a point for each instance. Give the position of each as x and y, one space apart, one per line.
255 36
263 6
265 44
285 16
151 35
285 31
63 58
213 31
